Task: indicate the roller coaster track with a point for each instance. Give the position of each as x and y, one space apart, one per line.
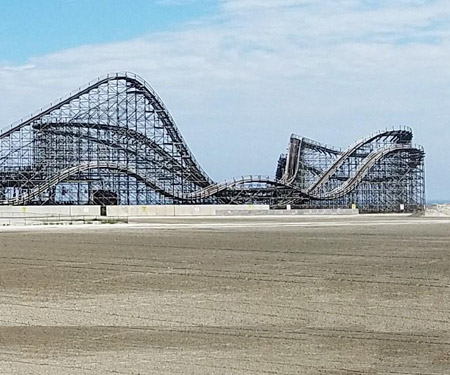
230 184
298 143
143 87
400 134
348 186
293 161
217 188
66 173
314 145
197 195
365 167
142 141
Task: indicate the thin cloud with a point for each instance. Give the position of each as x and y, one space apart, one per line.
19 68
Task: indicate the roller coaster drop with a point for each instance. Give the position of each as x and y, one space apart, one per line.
114 142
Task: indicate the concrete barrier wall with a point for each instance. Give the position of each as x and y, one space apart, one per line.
166 210
85 210
217 210
36 211
315 212
180 210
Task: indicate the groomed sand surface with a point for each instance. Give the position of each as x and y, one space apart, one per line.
362 295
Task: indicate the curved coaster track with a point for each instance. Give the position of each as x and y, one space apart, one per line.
113 141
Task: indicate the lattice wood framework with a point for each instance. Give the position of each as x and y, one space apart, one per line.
380 173
113 141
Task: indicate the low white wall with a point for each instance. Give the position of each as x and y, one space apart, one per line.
312 211
217 210
35 211
162 210
180 210
84 210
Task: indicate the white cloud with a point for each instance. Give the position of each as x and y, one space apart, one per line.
241 82
19 68
252 5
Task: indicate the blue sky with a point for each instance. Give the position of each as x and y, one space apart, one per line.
239 76
36 27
